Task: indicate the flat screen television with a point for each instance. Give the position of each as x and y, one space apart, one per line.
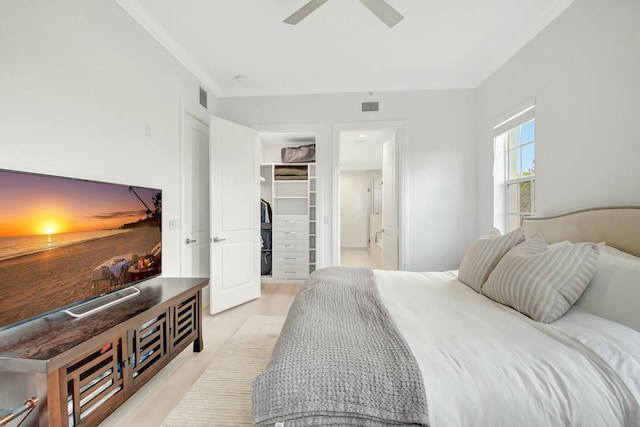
65 242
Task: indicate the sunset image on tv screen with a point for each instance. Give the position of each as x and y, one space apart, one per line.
65 240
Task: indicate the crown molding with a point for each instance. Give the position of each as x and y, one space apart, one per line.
158 32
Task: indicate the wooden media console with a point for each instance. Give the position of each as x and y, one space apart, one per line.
82 368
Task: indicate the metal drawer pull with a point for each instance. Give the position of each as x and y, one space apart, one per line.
219 239
189 241
290 259
290 232
289 221
290 272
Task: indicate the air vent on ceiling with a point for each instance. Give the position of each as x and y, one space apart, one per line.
370 106
203 98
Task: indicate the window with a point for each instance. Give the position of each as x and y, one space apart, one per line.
515 169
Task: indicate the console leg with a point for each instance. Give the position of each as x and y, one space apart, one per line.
198 344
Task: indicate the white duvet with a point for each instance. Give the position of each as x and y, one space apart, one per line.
485 364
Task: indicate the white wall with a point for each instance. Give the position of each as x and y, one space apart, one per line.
583 70
353 209
438 155
78 82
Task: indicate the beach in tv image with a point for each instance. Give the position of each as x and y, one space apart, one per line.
65 240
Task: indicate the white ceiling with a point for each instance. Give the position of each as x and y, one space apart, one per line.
342 46
362 149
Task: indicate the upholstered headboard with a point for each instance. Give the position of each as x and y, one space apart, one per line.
613 291
617 226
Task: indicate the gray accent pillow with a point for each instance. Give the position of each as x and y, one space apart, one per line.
540 283
484 254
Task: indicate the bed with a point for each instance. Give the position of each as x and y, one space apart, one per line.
538 327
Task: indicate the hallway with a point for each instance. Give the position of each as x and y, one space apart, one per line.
356 257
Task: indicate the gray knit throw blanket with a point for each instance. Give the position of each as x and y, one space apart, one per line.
340 360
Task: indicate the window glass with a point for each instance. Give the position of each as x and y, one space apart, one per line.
524 196
518 144
512 198
528 160
512 136
528 131
515 169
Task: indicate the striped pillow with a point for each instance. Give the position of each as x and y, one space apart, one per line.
484 254
540 283
533 245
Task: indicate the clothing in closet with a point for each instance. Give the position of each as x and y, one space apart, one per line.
265 236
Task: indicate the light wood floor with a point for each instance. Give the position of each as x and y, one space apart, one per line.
150 405
356 257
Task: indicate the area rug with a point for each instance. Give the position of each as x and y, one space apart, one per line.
222 394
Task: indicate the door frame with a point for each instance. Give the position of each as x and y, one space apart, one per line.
201 114
322 159
400 128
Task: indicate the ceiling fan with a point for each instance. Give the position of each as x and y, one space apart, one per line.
380 8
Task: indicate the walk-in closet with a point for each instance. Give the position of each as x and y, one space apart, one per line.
288 206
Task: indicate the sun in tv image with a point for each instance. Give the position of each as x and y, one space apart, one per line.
64 240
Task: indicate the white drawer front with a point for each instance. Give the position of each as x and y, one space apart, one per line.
284 245
291 223
290 272
301 218
290 235
291 258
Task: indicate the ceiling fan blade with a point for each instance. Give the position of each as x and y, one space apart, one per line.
305 10
382 10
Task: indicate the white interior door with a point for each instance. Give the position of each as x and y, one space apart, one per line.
389 205
195 222
235 214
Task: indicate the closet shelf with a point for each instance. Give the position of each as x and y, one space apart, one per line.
293 234
289 197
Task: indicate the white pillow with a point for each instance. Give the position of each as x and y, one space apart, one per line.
614 290
483 255
613 251
540 283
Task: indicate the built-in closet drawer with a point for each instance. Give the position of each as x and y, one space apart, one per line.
291 245
291 258
291 223
279 235
290 271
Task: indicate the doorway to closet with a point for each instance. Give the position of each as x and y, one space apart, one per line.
288 205
368 197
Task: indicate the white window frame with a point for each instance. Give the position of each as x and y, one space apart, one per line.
510 226
502 214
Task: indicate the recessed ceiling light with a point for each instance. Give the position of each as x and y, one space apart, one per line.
362 135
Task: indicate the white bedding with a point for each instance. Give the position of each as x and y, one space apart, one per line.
485 364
